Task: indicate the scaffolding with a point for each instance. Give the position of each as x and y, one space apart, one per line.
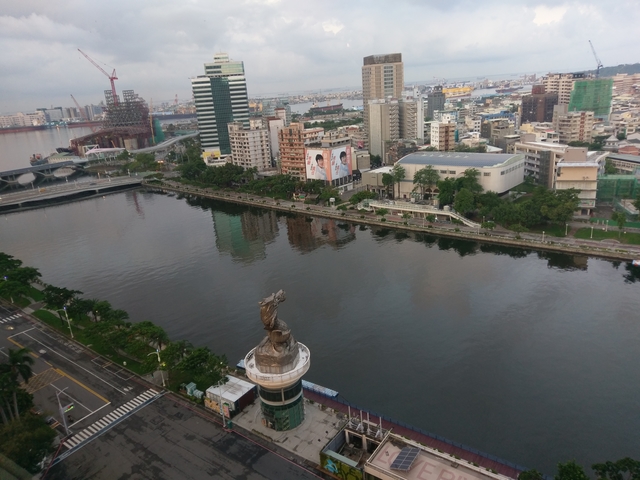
126 124
612 188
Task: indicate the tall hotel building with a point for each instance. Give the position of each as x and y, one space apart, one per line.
382 77
221 98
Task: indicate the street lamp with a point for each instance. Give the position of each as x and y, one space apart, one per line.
606 227
63 411
543 236
591 231
566 229
219 385
68 321
157 352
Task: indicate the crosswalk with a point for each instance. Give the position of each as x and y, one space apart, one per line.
12 318
108 420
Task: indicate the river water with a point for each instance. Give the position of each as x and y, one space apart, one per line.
531 357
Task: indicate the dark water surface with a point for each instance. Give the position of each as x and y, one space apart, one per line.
531 357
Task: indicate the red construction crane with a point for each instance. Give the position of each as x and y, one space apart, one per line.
83 114
112 77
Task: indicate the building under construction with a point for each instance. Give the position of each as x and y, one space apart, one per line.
126 125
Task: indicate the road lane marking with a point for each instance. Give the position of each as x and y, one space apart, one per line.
79 366
87 416
74 400
20 333
83 386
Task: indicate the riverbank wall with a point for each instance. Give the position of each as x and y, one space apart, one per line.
569 246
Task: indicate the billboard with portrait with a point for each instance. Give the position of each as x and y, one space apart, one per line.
341 165
317 164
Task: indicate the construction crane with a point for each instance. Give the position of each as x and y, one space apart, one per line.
595 55
112 77
83 114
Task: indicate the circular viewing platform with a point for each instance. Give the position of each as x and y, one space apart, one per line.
278 380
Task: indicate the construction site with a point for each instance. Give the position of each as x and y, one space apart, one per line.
127 122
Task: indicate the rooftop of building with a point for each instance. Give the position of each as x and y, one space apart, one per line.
626 158
459 159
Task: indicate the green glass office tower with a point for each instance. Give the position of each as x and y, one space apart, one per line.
221 98
592 95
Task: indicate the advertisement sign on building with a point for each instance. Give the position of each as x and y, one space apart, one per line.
331 165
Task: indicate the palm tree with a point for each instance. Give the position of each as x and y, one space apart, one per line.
18 365
7 387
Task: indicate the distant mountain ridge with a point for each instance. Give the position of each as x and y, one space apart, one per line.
629 68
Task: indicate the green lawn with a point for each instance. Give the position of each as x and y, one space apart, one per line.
35 294
599 234
554 230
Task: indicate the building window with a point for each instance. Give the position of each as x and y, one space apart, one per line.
452 172
502 172
487 174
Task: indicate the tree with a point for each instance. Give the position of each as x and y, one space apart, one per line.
621 219
530 475
464 201
425 178
13 289
375 160
382 212
570 471
387 181
398 172
469 180
24 275
18 365
447 188
150 333
360 196
488 226
616 470
636 202
8 263
609 167
56 298
27 442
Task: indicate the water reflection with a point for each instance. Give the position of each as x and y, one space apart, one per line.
563 261
308 233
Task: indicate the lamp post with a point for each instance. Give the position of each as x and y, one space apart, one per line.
606 226
157 352
566 229
64 419
591 232
543 236
68 321
220 384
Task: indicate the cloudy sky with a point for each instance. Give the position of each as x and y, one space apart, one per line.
293 46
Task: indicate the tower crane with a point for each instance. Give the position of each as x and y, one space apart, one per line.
83 114
595 56
112 77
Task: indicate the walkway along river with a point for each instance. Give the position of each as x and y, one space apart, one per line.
526 240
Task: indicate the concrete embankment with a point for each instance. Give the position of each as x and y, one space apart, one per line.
527 241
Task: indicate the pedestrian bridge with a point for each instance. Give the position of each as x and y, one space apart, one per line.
42 172
415 210
64 192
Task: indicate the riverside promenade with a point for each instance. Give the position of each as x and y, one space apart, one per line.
500 236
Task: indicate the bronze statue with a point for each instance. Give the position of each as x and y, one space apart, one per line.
278 350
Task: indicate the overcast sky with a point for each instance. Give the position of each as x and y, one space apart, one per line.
293 46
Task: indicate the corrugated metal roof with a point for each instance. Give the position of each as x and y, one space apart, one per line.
458 159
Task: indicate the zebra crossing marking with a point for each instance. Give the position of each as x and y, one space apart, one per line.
105 422
12 318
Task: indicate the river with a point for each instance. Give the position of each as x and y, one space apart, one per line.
528 356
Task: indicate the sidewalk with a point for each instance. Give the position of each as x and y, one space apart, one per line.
606 249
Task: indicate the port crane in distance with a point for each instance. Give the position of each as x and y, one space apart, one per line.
83 115
112 77
595 55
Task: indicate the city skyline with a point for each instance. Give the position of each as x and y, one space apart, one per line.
287 47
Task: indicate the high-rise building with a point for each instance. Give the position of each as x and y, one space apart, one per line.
593 95
412 117
292 141
572 126
538 107
274 125
221 98
249 148
562 84
384 125
382 77
443 136
435 101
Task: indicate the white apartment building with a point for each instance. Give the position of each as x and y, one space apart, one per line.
274 125
572 126
412 118
562 84
443 136
249 148
384 124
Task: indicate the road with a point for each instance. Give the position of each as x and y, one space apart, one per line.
123 427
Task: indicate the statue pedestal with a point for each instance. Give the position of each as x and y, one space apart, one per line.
278 358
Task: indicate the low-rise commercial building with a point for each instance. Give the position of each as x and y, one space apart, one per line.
249 148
